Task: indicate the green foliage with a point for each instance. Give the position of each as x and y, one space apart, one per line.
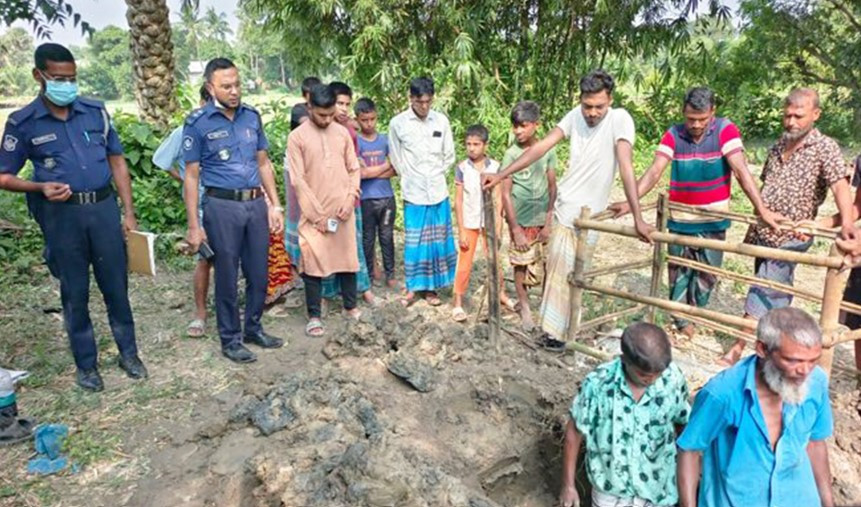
157 197
106 69
16 60
41 14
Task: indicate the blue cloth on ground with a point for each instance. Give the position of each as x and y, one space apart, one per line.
49 443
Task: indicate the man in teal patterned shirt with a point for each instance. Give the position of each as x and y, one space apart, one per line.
629 412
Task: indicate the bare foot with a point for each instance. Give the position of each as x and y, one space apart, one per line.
526 319
408 298
392 283
369 298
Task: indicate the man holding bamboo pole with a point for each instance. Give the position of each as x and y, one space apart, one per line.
798 172
703 152
602 138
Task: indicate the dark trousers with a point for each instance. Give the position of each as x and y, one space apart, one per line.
378 219
77 236
314 292
238 232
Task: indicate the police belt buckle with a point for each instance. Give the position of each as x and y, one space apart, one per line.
87 198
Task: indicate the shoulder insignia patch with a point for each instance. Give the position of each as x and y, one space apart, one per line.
10 142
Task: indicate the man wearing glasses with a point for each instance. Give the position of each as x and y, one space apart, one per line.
75 154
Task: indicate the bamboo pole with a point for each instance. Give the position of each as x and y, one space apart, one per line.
821 232
789 289
491 247
610 317
589 351
714 244
661 215
604 215
735 333
835 283
670 306
576 299
618 268
848 336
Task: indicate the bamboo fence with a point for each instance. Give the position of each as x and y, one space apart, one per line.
830 301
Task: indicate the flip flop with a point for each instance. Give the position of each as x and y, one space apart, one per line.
196 328
314 328
408 300
433 300
19 431
458 314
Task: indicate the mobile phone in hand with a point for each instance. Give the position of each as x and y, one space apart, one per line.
206 251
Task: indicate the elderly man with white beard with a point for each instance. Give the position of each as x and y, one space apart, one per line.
757 430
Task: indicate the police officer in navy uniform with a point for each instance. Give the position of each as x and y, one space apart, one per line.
225 147
75 153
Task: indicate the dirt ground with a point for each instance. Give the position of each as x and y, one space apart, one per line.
404 408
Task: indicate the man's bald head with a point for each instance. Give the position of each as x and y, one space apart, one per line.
647 347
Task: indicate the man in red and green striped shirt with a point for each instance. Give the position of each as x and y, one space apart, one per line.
703 152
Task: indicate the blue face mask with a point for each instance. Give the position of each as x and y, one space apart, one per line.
61 93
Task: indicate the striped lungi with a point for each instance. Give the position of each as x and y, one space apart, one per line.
555 312
291 221
430 257
761 300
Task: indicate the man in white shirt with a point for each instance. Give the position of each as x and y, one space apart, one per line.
421 150
602 138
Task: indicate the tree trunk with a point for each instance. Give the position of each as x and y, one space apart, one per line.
283 71
152 59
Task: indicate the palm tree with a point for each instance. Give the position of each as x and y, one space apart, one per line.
152 57
216 25
192 25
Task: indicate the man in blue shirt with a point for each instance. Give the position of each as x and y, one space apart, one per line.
225 149
75 154
168 155
757 430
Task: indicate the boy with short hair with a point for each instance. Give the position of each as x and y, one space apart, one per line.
378 198
528 198
343 101
469 210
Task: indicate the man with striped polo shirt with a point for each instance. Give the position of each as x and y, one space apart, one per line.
702 152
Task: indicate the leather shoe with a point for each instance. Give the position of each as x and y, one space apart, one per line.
90 380
238 353
133 366
266 341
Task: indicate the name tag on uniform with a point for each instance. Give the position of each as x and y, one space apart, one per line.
437 133
218 134
47 138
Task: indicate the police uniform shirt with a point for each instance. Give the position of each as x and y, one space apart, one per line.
226 150
73 151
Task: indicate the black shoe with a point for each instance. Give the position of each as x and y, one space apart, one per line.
133 366
551 344
238 353
264 340
90 380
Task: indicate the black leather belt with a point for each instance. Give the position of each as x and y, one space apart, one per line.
90 197
246 194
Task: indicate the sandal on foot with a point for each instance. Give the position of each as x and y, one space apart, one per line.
433 299
458 314
196 328
314 328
